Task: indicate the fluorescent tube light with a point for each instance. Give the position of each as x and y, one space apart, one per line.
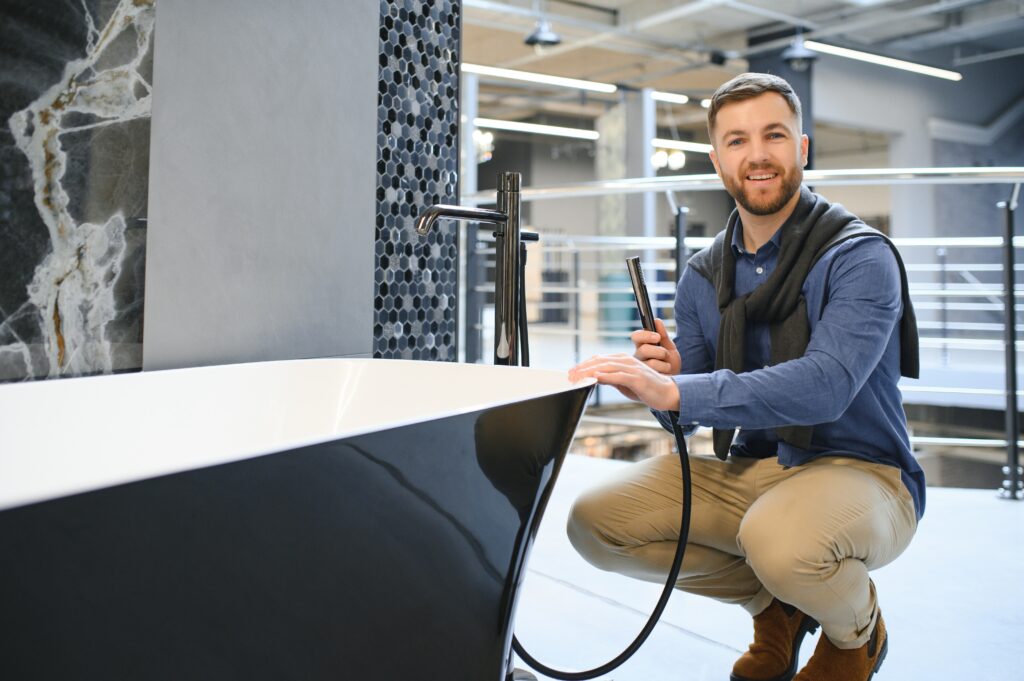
681 146
706 103
516 126
882 61
670 97
530 77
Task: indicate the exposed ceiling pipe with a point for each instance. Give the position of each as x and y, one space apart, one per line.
526 12
972 25
988 56
607 36
846 25
626 31
772 14
675 55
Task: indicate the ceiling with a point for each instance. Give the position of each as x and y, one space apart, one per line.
693 46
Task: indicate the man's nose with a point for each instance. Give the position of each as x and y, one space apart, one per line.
758 151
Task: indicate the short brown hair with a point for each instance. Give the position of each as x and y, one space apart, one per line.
748 86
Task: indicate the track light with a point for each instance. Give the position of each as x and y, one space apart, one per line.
536 129
680 145
883 61
670 97
542 78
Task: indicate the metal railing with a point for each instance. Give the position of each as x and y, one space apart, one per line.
580 301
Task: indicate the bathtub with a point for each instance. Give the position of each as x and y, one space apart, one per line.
314 519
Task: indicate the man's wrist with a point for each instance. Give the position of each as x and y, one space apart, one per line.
671 396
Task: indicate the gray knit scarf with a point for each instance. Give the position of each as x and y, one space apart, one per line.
814 227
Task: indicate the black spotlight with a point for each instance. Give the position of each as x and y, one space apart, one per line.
543 35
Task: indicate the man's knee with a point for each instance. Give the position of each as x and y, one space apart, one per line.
587 529
780 559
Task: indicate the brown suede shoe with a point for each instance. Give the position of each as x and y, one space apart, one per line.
778 633
834 664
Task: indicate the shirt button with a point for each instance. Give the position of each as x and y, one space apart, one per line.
760 270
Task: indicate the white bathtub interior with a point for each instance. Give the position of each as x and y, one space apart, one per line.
73 435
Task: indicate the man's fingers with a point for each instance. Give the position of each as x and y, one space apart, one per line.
608 366
649 352
618 378
596 360
643 337
662 367
587 368
666 340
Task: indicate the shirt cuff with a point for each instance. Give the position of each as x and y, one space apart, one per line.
666 418
696 392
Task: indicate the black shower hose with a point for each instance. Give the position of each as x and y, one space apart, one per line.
670 583
684 527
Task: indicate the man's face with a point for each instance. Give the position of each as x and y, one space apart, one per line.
759 152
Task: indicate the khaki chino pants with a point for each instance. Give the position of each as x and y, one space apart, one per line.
807 535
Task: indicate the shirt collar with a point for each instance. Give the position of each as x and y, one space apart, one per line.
737 239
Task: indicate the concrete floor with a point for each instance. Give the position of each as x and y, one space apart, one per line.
953 603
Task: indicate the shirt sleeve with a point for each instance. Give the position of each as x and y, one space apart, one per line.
863 307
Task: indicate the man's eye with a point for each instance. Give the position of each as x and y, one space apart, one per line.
734 142
775 135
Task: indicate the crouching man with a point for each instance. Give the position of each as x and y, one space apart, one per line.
792 328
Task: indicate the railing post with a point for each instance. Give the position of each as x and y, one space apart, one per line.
682 252
1013 488
940 253
577 325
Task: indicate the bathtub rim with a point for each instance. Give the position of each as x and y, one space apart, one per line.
26 489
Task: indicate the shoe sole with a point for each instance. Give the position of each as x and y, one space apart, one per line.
808 626
881 657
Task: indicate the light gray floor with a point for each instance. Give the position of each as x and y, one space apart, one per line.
953 603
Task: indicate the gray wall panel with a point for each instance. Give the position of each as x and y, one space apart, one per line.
262 181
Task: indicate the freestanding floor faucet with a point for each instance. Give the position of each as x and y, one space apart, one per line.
508 285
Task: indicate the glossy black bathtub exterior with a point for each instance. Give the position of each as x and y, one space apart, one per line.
394 555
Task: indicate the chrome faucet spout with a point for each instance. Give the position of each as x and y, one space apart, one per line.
432 214
508 278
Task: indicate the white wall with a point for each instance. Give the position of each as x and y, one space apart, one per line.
899 103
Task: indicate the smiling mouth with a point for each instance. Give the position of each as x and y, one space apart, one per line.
762 177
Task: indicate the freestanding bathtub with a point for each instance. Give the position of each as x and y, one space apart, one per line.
315 519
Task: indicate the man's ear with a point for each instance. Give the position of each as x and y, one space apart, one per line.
714 161
805 143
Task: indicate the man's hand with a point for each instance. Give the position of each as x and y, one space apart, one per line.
632 377
657 350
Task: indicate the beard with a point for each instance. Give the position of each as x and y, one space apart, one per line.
757 202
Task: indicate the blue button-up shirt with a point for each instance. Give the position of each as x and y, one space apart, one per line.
845 385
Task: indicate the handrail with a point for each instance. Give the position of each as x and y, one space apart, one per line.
698 242
648 424
818 178
974 338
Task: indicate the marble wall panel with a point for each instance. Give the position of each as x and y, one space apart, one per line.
75 90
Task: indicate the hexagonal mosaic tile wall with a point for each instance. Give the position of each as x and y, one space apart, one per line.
417 165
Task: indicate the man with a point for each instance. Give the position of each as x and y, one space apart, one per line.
794 327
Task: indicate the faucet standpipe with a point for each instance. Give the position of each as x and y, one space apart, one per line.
509 313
